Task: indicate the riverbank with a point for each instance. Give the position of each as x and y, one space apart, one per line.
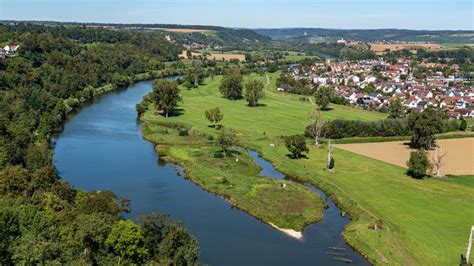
382 201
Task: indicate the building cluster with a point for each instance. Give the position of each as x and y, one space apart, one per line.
374 83
8 49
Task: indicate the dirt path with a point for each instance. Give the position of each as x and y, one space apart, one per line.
459 159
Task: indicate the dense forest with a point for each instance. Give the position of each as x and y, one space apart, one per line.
227 38
43 219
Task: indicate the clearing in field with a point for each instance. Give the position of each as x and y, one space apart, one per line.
459 159
381 48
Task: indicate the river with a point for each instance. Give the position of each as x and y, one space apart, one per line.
101 148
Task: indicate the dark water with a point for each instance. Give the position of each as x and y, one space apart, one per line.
101 148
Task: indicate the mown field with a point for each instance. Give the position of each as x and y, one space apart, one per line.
420 222
279 114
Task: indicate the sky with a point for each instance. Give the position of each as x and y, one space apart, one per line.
341 14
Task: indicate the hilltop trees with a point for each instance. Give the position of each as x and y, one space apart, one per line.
214 115
323 97
296 144
165 95
231 85
254 91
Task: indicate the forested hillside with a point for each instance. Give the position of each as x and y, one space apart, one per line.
443 36
43 219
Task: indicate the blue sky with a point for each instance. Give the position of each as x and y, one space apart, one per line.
348 14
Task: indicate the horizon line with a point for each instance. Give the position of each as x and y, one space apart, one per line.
231 27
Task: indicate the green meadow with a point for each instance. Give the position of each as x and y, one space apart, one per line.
395 219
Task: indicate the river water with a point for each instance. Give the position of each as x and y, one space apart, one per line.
101 148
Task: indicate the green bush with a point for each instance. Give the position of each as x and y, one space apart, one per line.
183 132
419 164
161 150
463 125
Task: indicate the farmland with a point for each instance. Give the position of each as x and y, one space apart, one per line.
217 56
459 159
381 48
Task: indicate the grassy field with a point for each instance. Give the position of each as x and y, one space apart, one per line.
277 110
423 222
294 56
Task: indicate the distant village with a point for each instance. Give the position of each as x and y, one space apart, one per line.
373 83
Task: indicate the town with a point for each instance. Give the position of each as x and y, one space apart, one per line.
373 83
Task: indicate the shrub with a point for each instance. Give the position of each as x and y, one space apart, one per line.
296 144
331 163
161 150
183 131
419 164
463 125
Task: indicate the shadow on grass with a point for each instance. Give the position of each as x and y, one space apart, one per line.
293 157
327 109
257 105
176 112
217 127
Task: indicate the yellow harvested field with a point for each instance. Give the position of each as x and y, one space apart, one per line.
241 57
459 159
218 57
380 48
186 30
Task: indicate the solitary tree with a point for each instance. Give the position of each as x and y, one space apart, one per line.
424 126
396 109
194 77
231 85
316 127
254 91
296 144
214 116
323 97
226 140
419 164
165 95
